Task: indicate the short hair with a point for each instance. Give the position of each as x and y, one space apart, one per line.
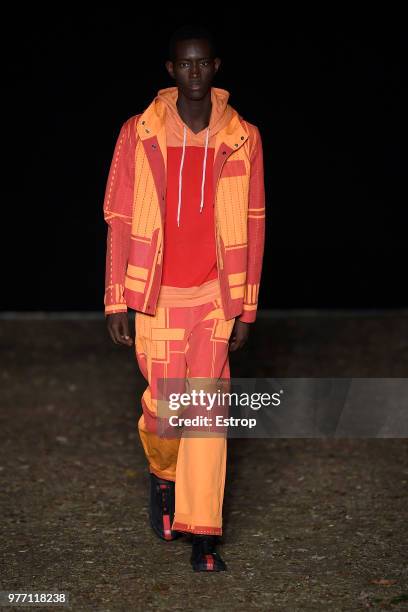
188 32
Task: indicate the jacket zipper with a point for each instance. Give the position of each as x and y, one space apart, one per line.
217 247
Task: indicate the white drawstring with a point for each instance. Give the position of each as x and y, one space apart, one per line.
204 167
181 173
180 176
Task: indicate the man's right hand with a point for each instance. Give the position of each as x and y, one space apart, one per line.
118 327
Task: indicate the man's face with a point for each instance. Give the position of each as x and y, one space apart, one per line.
193 67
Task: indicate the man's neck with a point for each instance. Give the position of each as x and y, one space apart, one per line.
195 113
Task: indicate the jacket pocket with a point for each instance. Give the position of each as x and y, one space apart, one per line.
233 167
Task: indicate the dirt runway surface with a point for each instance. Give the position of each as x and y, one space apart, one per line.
309 524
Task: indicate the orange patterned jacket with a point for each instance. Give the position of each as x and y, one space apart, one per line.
134 204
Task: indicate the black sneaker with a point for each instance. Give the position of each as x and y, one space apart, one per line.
204 557
161 509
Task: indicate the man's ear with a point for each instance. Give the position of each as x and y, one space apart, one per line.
169 68
217 63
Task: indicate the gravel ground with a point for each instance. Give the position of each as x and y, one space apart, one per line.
309 524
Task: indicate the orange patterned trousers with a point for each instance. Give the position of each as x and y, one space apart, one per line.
184 341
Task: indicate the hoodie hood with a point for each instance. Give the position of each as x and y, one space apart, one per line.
178 132
221 114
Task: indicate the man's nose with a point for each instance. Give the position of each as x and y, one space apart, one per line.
195 71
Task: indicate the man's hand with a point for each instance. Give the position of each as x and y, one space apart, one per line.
118 327
239 335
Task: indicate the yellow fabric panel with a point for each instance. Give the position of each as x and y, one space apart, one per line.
146 215
223 329
137 271
251 293
135 285
237 292
115 307
232 203
218 313
238 278
167 334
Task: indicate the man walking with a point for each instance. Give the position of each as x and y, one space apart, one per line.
185 207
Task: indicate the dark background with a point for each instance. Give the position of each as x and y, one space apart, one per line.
328 92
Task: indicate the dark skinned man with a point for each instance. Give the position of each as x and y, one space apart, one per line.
185 208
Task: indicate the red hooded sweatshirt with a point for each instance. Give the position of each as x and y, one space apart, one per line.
189 254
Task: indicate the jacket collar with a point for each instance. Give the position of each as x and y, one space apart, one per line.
151 124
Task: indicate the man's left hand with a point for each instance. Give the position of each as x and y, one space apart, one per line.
239 335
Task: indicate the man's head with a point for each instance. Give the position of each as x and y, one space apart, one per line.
192 61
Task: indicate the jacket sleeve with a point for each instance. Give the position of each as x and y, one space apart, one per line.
117 210
256 230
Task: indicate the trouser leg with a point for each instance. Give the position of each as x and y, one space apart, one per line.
201 463
185 343
160 352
